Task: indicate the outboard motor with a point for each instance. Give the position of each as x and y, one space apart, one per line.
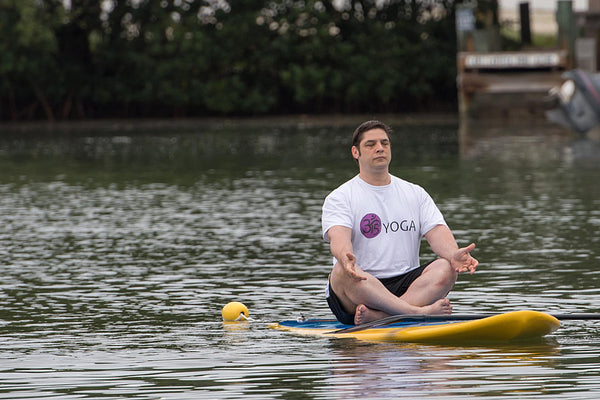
578 101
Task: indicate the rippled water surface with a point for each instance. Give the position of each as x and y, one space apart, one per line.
120 246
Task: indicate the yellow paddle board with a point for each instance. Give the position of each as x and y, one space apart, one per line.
516 325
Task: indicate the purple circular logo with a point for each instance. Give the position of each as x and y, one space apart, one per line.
370 225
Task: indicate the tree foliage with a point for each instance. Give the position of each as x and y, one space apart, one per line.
139 58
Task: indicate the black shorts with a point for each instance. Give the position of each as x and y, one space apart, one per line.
398 285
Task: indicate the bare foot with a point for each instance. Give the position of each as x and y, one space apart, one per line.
364 314
441 306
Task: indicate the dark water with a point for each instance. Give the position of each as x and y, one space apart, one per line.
119 247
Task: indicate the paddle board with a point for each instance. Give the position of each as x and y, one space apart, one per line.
516 325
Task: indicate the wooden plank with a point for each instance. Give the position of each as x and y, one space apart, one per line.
509 82
512 60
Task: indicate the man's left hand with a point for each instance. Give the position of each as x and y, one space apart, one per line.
462 261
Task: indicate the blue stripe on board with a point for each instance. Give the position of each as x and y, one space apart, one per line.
334 325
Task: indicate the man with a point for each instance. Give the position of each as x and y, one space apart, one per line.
374 224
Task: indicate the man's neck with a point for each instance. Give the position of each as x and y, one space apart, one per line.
376 179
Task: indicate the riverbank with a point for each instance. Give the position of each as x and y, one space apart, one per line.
300 121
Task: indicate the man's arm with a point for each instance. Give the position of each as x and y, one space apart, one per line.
340 244
442 242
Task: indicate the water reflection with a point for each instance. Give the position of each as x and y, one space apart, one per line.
203 152
422 370
533 144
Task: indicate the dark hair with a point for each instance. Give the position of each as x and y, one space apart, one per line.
367 126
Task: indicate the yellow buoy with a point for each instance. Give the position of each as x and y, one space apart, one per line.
235 311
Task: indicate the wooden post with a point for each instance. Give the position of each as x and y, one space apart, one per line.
525 26
465 26
594 5
566 29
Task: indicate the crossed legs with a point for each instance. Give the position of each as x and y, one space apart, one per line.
369 299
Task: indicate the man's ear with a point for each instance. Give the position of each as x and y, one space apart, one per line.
355 152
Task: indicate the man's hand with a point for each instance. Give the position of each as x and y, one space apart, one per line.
353 270
462 261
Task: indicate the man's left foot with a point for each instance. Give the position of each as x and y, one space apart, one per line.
364 314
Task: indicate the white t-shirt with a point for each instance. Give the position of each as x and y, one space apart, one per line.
387 222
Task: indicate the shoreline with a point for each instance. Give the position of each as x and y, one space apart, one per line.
300 121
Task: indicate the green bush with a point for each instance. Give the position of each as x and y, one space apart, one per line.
245 57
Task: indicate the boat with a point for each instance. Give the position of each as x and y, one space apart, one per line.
505 327
576 102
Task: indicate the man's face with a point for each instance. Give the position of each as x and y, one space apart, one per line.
374 150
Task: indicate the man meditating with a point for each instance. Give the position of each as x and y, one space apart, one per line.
374 223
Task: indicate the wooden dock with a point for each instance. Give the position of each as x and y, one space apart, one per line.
507 85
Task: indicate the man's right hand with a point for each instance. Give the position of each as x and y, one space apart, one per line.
352 269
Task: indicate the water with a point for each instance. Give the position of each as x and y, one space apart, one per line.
120 246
